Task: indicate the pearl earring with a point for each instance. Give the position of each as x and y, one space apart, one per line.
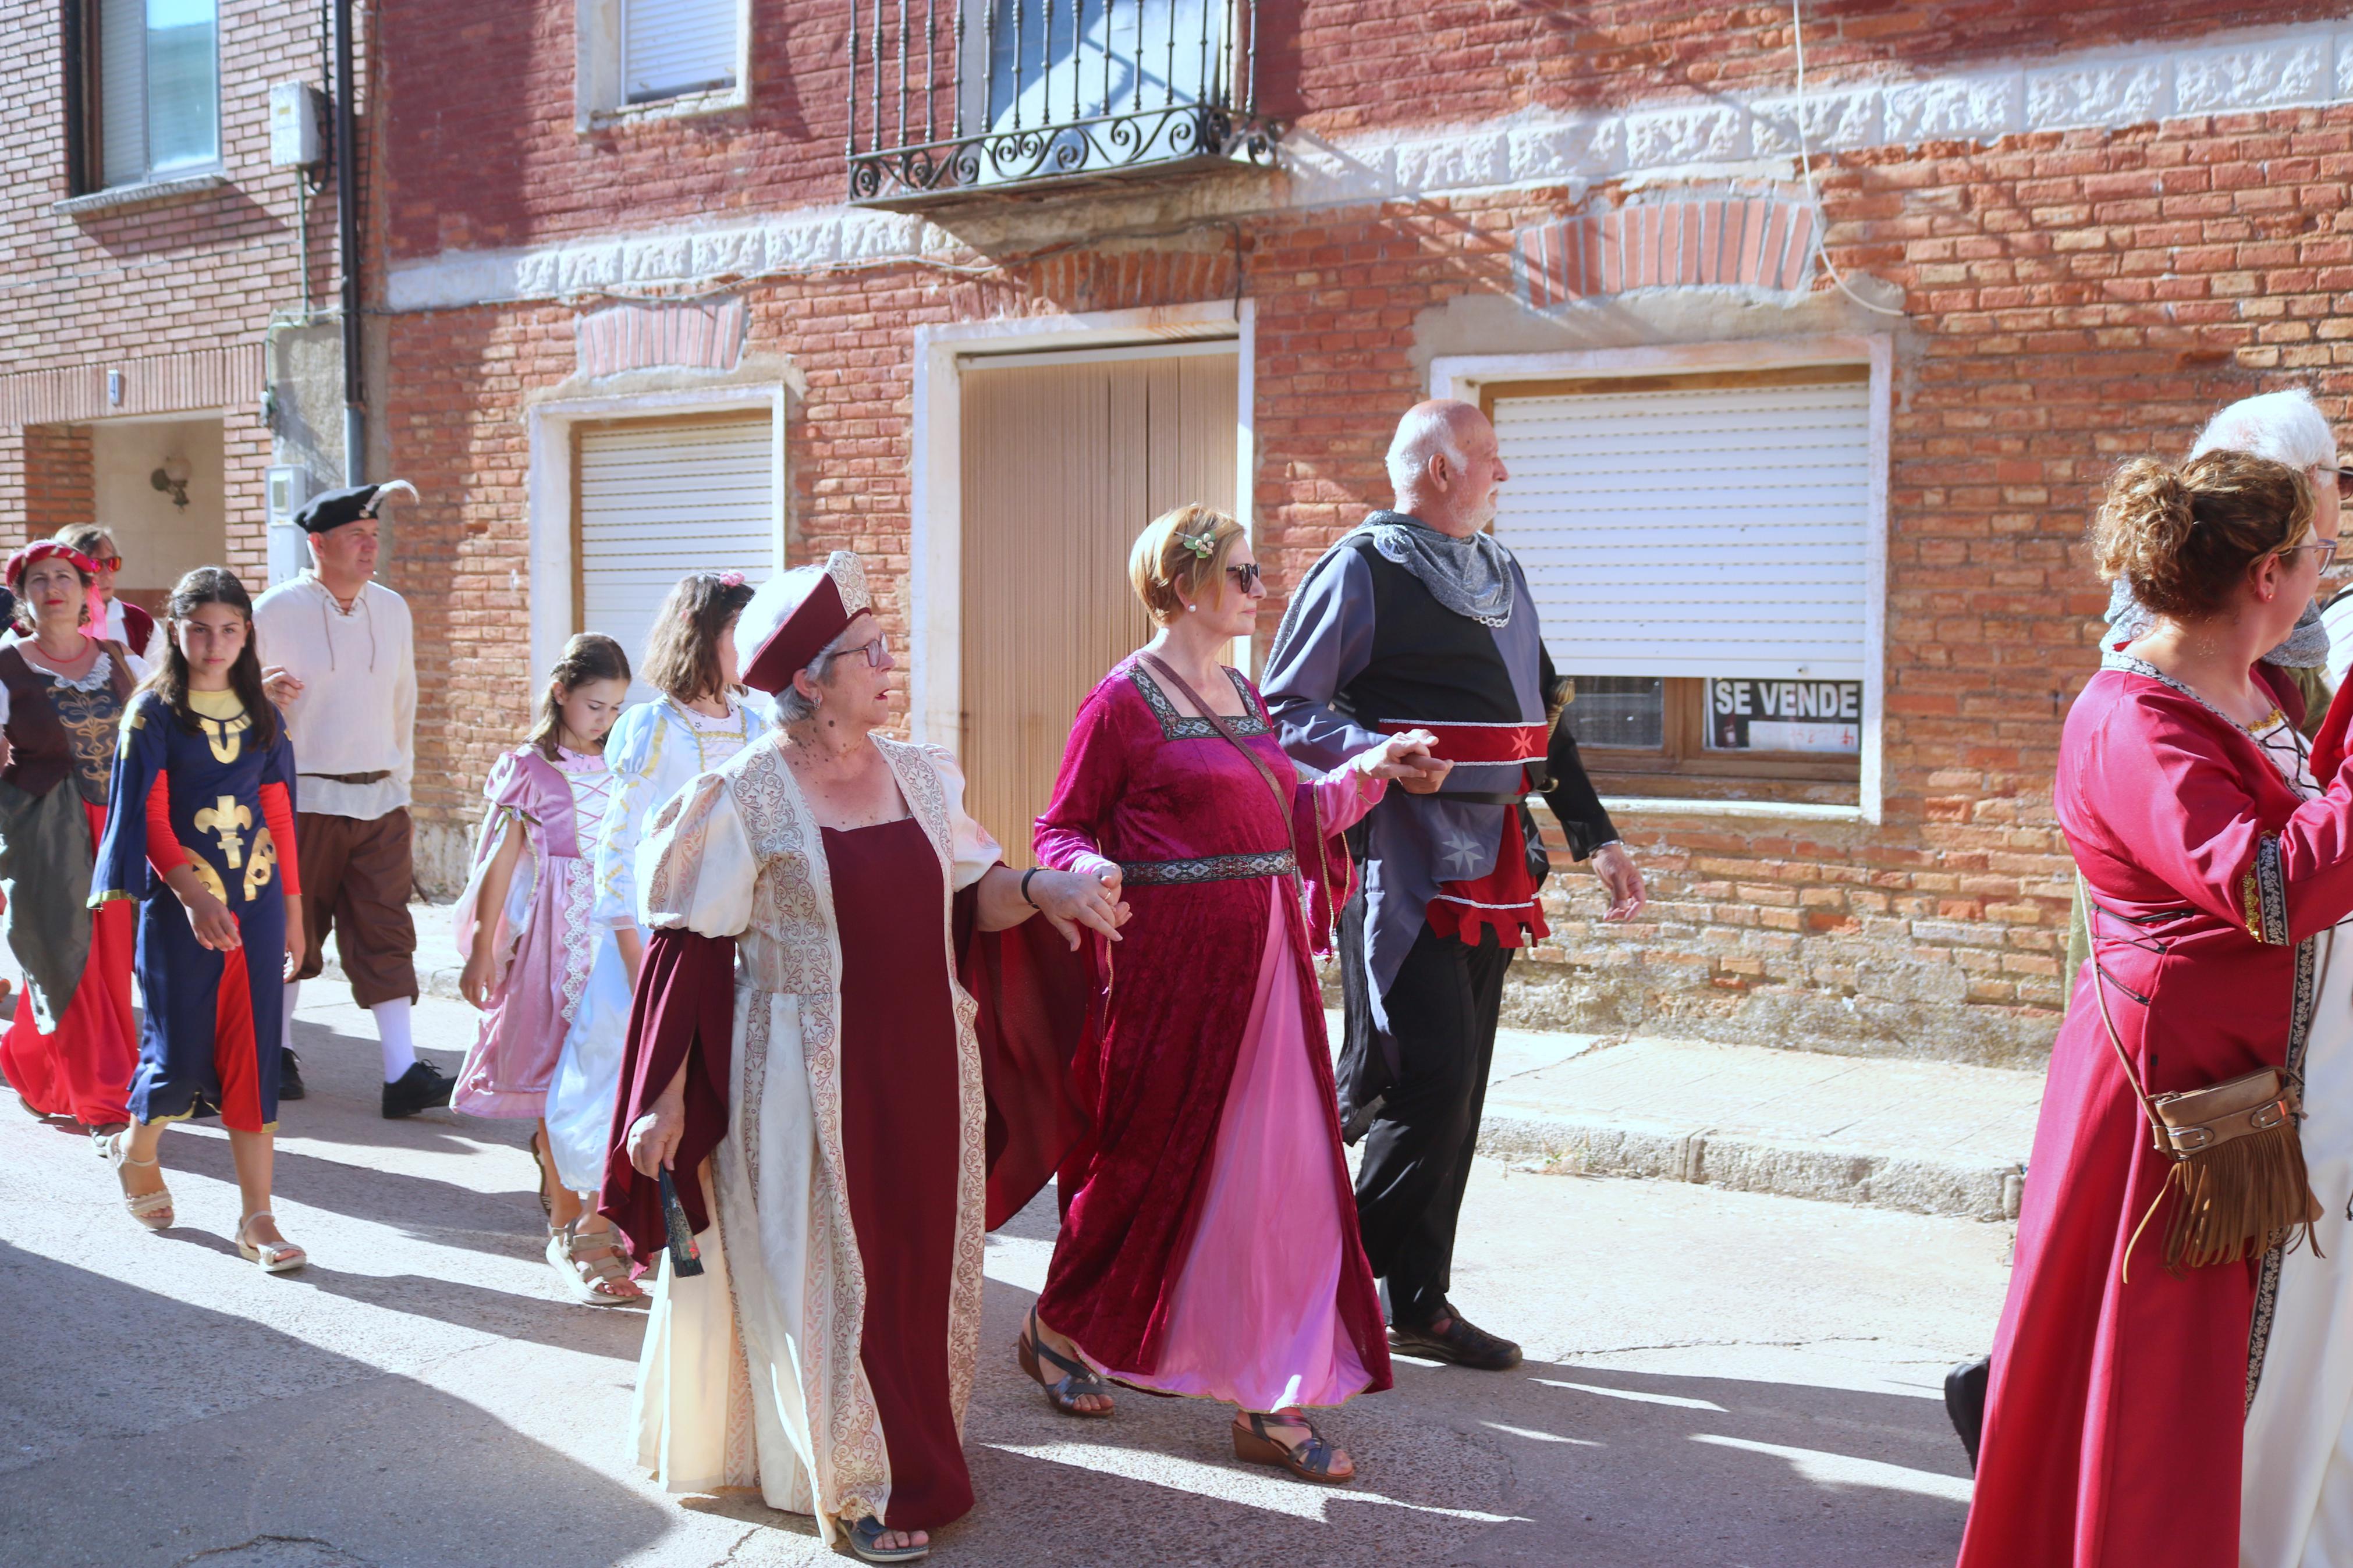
1191 607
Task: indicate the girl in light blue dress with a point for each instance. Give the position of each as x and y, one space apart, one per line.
703 717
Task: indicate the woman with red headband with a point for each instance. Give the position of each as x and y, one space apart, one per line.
74 1044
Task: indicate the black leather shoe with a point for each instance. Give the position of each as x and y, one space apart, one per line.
420 1089
1964 1403
290 1075
1461 1342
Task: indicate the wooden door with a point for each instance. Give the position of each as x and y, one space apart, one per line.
1064 462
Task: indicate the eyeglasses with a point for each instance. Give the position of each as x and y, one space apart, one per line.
2327 548
2343 481
1245 574
878 652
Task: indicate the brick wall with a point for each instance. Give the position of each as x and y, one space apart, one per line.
2073 299
163 286
58 478
482 97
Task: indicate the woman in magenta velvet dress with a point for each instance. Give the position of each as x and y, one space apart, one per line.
1208 1244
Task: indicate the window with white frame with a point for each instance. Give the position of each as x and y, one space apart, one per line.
1701 548
153 74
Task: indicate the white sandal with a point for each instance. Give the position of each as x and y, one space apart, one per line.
581 1275
154 1209
275 1257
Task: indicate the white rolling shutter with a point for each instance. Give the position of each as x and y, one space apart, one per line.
671 46
122 91
659 501
1714 530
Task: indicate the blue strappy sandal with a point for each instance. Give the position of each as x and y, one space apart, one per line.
1310 1461
865 1538
1077 1381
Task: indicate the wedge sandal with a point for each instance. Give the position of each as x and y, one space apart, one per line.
1310 1461
1077 1381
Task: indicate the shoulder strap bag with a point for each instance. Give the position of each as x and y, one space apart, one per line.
2237 1175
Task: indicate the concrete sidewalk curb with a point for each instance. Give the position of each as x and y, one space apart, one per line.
1748 1164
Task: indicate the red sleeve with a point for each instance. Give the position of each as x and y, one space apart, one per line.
1035 999
1088 785
683 1012
163 851
278 816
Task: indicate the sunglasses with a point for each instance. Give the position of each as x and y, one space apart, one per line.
1244 576
107 562
2343 481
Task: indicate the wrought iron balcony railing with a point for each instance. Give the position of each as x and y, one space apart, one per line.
957 98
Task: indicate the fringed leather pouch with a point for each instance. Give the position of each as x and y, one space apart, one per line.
2238 1177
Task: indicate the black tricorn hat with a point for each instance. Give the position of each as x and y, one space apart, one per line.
333 509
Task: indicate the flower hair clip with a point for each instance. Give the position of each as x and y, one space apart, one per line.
1203 544
731 579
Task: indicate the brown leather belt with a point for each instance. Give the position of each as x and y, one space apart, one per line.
377 777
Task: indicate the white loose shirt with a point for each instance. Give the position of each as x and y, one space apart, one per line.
357 712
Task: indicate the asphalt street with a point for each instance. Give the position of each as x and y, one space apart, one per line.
1713 1378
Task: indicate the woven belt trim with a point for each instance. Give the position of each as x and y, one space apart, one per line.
1209 868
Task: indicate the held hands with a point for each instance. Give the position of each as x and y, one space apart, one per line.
654 1137
1410 759
1088 896
1621 880
280 685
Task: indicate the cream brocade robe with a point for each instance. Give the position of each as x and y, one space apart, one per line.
750 1374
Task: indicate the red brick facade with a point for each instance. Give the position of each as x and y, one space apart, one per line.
2070 297
176 292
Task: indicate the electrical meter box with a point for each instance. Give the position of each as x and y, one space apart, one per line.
289 488
296 114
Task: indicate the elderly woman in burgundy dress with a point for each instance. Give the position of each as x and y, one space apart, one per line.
1208 1244
823 1113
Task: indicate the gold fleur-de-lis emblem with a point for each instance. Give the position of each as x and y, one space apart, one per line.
204 873
227 821
261 864
226 737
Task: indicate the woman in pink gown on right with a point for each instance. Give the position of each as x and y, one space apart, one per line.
1208 1245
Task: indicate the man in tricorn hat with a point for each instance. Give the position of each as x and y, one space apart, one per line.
338 658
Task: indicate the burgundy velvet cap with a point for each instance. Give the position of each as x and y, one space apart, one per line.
793 616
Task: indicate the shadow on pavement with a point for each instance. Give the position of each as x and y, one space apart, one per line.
1549 1464
146 1431
440 1212
613 1332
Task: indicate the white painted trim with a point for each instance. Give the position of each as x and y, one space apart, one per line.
935 500
1620 806
1190 349
1463 376
547 488
1673 138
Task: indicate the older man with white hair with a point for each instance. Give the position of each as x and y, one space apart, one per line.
1418 618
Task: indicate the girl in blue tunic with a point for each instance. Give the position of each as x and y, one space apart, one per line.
204 793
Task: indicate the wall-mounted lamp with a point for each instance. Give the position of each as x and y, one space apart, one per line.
172 479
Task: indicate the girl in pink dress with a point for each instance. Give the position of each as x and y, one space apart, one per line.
522 923
1208 1244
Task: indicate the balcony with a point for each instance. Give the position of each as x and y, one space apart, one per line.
974 97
